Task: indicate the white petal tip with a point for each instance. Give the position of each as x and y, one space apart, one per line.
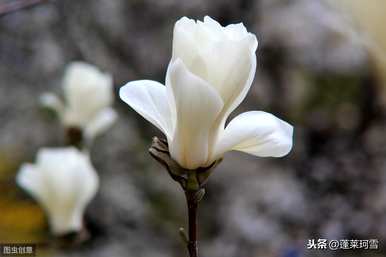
257 133
149 99
51 101
101 123
284 147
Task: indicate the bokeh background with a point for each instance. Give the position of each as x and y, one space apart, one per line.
321 66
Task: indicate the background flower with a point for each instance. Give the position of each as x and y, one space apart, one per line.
88 95
63 181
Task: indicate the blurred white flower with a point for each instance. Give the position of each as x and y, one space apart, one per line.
88 97
63 181
210 73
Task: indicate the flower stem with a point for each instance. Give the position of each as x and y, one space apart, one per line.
74 137
191 199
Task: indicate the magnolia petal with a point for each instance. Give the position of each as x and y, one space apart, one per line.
197 106
235 31
29 178
257 133
184 38
213 24
84 81
72 188
102 122
231 69
51 101
149 99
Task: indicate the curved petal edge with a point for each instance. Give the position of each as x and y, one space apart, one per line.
257 133
149 99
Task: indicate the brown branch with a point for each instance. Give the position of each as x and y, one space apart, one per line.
192 223
16 5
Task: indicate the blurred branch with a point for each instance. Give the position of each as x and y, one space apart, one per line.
16 5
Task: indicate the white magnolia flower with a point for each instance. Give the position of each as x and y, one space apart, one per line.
63 181
88 97
211 71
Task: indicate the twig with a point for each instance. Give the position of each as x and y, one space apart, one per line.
16 5
192 216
